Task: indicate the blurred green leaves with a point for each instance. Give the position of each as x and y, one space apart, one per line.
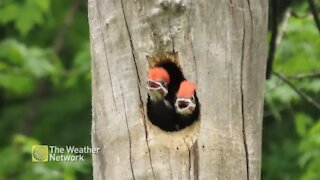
24 14
303 123
81 67
291 130
44 93
299 48
16 163
22 67
309 146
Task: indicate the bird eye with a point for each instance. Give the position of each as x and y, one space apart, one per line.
163 83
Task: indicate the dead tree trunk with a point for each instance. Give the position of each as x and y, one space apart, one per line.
219 45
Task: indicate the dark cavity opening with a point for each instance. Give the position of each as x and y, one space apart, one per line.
162 112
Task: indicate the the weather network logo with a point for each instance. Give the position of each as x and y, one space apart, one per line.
40 153
46 153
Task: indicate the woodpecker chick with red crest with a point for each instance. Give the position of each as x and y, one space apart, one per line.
158 81
187 105
159 110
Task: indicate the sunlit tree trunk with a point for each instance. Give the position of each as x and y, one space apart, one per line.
220 45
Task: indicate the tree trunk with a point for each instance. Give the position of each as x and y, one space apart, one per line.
219 45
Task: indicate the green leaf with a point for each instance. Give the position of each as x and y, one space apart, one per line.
43 5
25 15
298 51
9 13
28 19
37 63
302 123
3 66
16 83
316 130
12 52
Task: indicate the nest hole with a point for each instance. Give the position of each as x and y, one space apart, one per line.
168 121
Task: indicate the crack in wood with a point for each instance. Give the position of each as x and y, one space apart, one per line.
139 85
170 26
242 98
191 42
189 154
105 51
133 55
196 161
251 25
231 5
150 157
131 42
97 141
194 61
243 120
244 127
250 12
147 142
170 164
129 135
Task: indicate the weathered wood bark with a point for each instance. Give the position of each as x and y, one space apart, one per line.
221 46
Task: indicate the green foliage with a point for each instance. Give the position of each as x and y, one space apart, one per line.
302 122
44 92
303 37
16 163
25 15
291 134
25 66
309 148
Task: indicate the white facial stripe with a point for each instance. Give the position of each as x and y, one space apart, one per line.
157 88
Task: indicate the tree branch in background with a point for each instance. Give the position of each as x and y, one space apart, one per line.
315 13
267 114
33 103
304 96
276 34
305 75
294 76
32 106
68 20
296 15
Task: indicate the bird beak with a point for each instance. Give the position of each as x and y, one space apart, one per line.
185 105
157 86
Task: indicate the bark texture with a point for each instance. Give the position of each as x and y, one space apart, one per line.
221 46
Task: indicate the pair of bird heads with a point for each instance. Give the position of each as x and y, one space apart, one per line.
182 99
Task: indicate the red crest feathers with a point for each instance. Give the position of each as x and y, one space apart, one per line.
186 89
159 74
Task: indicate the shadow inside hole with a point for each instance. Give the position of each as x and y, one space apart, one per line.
162 113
